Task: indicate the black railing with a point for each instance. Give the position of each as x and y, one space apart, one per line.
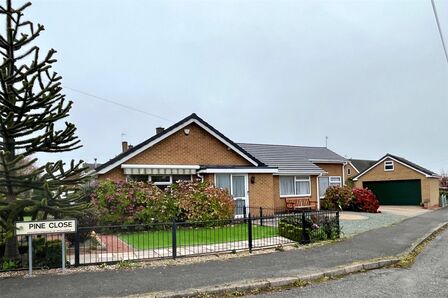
261 229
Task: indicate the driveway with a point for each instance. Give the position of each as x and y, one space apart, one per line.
353 223
407 211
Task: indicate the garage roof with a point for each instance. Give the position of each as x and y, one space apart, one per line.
403 161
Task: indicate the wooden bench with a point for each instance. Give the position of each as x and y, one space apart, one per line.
294 204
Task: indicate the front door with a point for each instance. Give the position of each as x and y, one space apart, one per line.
237 186
240 194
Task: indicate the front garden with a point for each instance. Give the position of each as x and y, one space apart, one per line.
137 220
196 236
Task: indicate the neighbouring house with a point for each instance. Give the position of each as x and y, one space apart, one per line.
256 175
360 165
397 181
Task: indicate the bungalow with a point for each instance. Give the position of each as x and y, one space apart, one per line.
257 175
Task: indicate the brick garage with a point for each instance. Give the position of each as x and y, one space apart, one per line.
397 181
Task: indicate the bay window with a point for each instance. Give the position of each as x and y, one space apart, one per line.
295 186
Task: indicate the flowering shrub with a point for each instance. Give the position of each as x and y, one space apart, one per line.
140 202
345 198
201 201
365 200
337 198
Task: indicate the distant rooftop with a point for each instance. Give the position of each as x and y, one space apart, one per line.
362 164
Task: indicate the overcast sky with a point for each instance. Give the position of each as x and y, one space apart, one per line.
370 75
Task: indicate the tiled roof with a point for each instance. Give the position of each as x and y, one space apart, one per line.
413 165
124 155
292 159
362 164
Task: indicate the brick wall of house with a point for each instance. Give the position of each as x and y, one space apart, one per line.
261 192
279 203
429 186
332 169
352 174
196 148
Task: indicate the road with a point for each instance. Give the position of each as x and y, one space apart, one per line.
428 277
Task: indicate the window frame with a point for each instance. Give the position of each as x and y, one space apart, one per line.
349 171
389 163
295 180
161 182
171 181
246 186
329 183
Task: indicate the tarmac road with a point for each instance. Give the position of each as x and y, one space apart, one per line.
428 277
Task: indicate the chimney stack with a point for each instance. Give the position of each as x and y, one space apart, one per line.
159 130
124 146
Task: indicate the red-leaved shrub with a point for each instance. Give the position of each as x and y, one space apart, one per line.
364 200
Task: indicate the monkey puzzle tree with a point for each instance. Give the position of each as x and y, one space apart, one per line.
32 108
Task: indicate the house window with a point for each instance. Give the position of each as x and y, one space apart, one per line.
235 184
389 165
349 171
295 186
159 180
138 178
325 182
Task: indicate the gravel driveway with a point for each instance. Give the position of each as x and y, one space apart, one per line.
370 221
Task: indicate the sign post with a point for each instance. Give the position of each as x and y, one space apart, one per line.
30 256
30 228
63 252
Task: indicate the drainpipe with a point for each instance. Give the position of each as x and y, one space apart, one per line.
343 172
318 196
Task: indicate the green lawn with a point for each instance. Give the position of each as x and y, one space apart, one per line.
163 239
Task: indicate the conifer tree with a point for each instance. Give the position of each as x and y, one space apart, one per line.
32 113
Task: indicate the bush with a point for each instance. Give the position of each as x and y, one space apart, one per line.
337 198
317 234
124 202
201 201
46 253
88 218
140 202
365 200
317 228
291 228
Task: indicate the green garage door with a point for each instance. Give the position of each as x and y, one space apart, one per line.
399 192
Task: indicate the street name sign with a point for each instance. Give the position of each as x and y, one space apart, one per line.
45 227
41 227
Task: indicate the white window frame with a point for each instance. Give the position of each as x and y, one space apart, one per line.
389 163
296 179
330 183
339 178
128 177
161 183
349 171
231 183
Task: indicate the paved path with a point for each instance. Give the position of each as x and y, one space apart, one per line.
376 243
124 252
428 277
